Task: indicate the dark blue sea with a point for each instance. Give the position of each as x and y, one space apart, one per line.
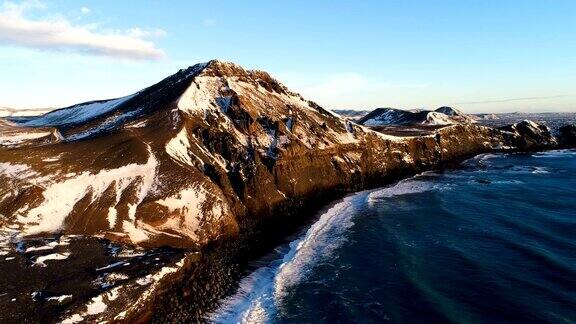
493 241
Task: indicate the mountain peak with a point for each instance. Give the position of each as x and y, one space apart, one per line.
217 68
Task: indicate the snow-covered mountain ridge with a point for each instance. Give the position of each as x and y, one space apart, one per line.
392 116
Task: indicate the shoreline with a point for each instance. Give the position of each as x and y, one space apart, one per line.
222 266
324 264
192 288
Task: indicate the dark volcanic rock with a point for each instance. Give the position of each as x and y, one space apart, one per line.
567 136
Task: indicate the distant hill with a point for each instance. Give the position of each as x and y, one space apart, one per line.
13 112
393 116
351 113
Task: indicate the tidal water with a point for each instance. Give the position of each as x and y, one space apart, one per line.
492 241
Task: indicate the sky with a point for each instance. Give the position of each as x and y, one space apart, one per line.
477 55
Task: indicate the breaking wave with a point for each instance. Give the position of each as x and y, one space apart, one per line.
341 268
259 296
555 154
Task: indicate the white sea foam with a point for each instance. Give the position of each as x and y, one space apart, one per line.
482 159
261 293
555 154
540 170
409 186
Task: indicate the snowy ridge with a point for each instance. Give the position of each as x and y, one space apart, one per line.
77 114
437 118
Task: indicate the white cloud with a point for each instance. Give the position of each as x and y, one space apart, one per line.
60 34
85 10
140 33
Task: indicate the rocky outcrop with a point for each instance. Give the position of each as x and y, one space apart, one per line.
528 135
567 136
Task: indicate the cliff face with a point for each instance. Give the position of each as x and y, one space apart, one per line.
202 154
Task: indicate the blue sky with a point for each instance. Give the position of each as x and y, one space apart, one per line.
480 56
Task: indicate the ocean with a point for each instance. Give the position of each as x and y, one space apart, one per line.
491 241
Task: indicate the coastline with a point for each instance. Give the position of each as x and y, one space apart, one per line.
191 287
217 271
351 243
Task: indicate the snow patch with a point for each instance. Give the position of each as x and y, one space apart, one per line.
76 318
112 216
96 306
20 137
59 298
16 171
135 234
61 197
196 204
40 261
179 147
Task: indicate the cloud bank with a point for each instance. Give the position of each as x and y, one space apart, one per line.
58 33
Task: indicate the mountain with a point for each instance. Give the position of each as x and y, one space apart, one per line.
392 116
486 116
213 160
450 111
351 113
179 163
456 114
12 112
